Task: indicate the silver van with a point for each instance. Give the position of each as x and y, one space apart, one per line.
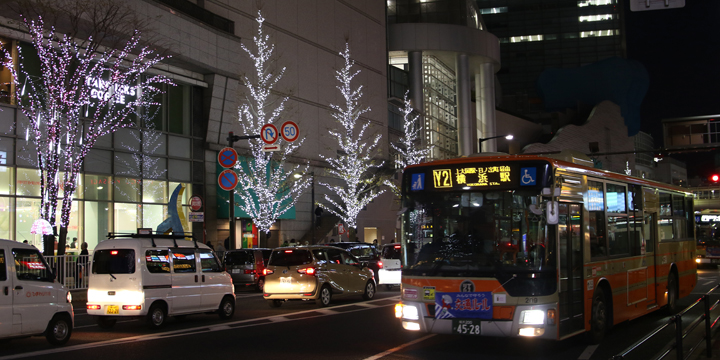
246 266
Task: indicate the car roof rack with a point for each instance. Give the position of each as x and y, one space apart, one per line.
152 235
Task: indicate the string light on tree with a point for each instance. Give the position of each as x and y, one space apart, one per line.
56 102
355 156
410 152
265 185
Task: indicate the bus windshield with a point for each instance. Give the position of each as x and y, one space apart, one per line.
477 234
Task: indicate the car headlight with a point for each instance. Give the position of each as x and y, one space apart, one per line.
68 297
532 317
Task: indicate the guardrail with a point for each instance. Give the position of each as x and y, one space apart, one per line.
682 334
70 270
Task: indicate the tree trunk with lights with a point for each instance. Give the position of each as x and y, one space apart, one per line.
265 186
79 97
354 165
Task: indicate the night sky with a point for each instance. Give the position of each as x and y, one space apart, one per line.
680 48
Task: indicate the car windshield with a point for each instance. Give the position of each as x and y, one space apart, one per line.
239 258
290 257
30 265
363 252
114 261
391 252
476 233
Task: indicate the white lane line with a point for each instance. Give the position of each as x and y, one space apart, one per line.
398 348
705 283
588 352
187 332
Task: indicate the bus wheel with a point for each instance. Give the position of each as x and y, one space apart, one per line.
598 317
672 294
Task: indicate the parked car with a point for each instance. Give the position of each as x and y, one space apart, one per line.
315 273
366 253
155 276
31 301
246 266
390 273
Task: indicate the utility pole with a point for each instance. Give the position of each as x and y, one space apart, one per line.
231 140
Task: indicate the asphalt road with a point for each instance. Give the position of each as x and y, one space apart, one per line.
349 329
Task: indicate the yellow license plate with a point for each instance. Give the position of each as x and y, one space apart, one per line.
113 309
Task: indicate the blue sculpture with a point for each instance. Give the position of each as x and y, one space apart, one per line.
172 223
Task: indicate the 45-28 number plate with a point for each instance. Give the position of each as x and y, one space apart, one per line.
466 326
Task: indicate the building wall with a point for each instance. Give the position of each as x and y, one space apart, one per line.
308 35
606 127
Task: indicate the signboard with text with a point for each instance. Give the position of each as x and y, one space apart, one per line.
480 176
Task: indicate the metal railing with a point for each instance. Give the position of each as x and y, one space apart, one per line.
682 334
70 270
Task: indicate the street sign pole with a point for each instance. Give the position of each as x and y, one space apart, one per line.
231 140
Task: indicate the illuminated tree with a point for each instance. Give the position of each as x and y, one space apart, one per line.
81 94
354 162
409 150
265 183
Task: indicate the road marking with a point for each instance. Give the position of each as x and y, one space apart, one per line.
198 330
708 282
588 352
398 348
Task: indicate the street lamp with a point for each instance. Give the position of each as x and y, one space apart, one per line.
480 141
312 202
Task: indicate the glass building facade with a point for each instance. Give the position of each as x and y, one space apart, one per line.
539 34
128 177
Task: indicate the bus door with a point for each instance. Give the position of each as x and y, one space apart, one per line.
571 291
651 250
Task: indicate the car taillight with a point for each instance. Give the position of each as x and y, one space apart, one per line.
308 271
93 307
132 307
114 252
397 246
380 265
267 272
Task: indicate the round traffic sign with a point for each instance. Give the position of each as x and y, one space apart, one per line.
289 131
227 157
269 134
227 180
196 203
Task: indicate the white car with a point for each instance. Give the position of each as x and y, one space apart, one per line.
391 270
155 276
31 301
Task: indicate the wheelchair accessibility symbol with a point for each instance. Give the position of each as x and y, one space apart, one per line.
528 177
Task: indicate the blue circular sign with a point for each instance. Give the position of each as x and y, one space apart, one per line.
227 180
227 157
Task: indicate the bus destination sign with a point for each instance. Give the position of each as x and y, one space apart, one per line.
480 176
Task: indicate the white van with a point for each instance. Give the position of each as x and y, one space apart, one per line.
31 301
153 276
391 271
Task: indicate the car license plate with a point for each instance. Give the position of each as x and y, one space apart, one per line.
235 271
112 309
285 281
466 326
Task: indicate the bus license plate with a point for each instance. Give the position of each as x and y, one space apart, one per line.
285 281
466 326
112 309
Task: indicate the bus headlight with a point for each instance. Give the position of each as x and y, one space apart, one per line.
406 312
532 317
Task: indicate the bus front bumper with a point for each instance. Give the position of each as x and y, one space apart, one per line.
414 317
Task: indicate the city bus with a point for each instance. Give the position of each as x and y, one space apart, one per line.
535 246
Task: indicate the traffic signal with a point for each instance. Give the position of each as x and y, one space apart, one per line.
715 178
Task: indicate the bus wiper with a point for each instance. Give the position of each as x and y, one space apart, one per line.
112 276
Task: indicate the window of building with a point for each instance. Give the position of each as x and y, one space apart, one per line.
7 180
153 215
7 215
598 17
98 187
96 222
126 189
28 182
125 218
584 3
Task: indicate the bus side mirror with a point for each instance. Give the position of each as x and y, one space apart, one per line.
552 212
